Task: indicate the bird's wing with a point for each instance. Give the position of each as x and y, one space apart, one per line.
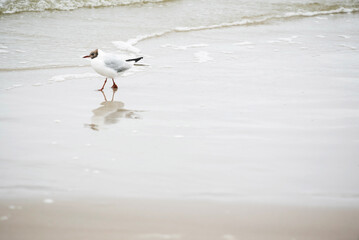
116 63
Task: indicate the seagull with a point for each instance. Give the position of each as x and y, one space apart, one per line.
110 65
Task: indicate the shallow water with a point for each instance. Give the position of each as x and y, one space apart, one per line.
241 101
55 38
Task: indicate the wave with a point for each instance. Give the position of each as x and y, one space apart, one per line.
41 67
64 77
16 6
245 22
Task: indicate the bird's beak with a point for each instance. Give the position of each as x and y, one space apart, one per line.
85 56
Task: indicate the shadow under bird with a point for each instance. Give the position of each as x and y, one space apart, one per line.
110 65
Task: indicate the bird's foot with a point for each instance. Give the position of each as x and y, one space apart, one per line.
114 86
100 90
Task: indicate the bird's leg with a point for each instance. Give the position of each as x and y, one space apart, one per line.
103 85
114 84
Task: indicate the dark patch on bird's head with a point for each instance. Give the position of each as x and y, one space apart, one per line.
93 54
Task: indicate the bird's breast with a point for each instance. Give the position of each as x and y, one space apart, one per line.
99 66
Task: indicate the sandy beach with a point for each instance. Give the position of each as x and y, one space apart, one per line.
236 129
158 219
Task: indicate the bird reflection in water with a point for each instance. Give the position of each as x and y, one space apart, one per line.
110 112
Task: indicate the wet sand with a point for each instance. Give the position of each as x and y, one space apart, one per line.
240 133
159 219
219 114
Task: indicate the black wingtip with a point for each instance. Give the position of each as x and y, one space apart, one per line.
134 59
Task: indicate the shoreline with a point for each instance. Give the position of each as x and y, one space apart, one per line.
238 114
240 127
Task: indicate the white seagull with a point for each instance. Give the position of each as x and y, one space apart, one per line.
110 65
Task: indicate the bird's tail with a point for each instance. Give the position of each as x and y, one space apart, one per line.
134 59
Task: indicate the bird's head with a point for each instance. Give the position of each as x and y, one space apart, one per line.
92 55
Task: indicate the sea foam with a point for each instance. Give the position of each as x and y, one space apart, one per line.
344 36
185 47
243 22
347 46
125 46
202 57
15 6
64 77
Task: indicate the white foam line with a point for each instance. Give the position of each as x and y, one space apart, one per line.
321 18
28 6
202 57
14 86
198 45
125 46
136 40
347 46
60 78
344 36
243 43
317 13
185 47
273 41
140 38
